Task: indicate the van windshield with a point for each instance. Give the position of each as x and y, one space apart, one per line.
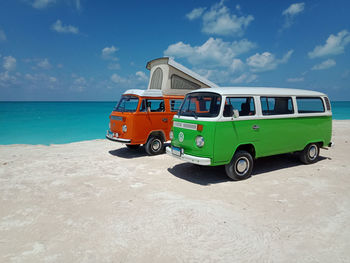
127 104
201 104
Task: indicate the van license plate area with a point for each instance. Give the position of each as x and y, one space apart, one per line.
176 151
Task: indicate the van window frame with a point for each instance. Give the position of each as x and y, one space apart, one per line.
252 97
153 111
272 113
310 98
170 104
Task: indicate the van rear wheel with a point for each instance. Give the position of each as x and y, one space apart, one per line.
133 146
154 145
240 167
310 153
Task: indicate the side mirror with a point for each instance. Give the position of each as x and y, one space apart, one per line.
235 113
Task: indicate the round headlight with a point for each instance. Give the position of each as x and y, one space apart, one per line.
171 135
200 141
124 128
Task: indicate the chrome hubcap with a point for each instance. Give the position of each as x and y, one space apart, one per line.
156 145
313 152
242 165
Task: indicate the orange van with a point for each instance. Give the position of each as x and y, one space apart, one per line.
143 117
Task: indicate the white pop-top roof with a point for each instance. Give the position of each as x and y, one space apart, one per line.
144 93
264 91
185 70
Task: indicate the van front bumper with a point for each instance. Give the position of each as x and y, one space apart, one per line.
114 137
189 158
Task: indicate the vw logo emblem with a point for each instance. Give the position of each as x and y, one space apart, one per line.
181 137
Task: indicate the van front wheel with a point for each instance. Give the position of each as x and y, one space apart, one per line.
240 167
310 153
154 145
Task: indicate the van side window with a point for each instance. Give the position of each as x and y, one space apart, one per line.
276 105
309 105
175 105
154 105
245 105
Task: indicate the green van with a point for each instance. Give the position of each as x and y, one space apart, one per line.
234 126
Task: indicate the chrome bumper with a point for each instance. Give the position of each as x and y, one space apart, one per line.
114 137
189 158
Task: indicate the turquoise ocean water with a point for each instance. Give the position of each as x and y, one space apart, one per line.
64 122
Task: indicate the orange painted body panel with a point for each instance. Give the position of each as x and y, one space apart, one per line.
141 124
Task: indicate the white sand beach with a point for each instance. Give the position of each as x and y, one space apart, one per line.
97 201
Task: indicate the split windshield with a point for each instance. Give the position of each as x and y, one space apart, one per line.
127 104
201 104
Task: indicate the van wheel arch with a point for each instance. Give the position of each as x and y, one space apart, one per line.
248 148
155 143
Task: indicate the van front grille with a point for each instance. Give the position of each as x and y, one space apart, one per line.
116 118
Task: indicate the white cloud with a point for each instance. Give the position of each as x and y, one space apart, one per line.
114 66
60 28
141 76
40 4
77 4
52 79
108 53
294 9
118 79
325 65
218 20
2 36
79 83
244 78
9 63
195 13
334 45
295 79
291 12
44 64
214 52
237 65
266 61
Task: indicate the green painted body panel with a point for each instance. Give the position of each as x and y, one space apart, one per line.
274 136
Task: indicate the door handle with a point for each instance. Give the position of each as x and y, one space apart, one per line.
165 120
255 127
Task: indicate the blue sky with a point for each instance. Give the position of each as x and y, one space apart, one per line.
95 50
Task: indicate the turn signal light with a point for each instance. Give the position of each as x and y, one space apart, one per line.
199 127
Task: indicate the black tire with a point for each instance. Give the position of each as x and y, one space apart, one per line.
133 146
240 167
310 153
154 145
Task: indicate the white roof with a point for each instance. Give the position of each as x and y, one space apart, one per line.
144 93
185 70
265 91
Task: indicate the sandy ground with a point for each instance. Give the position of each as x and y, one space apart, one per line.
97 201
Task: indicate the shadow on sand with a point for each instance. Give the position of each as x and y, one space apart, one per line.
206 175
127 153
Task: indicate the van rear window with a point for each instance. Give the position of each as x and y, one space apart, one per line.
309 105
175 105
276 105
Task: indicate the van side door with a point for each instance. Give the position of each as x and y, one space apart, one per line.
232 132
277 125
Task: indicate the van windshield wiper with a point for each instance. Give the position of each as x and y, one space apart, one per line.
194 114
